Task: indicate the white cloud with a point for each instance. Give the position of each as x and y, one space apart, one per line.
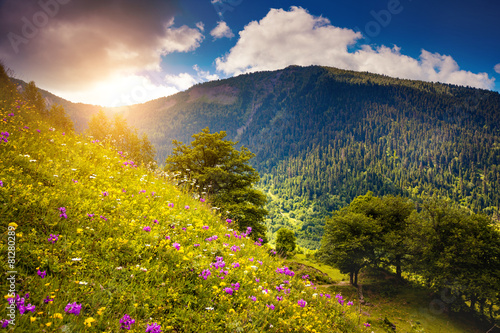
295 37
184 81
200 26
221 30
181 81
497 68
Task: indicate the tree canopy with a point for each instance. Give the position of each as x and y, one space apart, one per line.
122 136
285 241
216 169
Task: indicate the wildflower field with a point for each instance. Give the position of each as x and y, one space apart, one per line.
92 242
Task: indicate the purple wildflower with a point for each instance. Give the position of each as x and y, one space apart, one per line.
253 298
23 309
270 306
177 246
147 228
53 238
73 308
5 323
41 274
153 328
126 321
229 291
302 303
205 274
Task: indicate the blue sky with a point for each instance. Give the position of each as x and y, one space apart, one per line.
119 52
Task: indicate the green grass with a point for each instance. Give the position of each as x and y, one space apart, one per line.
409 308
107 261
332 272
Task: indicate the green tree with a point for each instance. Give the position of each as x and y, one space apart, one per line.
285 241
215 167
123 137
349 242
33 96
391 213
59 118
459 251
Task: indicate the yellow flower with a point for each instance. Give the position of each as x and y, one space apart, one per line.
79 230
101 310
32 319
88 322
57 316
48 324
13 224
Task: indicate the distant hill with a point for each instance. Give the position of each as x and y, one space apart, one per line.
322 136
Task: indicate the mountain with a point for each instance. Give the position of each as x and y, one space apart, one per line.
323 136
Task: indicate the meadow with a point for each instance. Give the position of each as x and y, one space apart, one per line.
93 242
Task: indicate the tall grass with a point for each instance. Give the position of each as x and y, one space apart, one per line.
93 230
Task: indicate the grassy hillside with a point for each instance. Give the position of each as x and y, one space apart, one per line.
93 243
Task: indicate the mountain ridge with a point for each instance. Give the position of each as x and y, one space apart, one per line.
322 136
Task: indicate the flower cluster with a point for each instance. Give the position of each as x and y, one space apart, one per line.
153 328
41 274
205 274
126 322
21 305
302 303
285 270
63 212
4 136
73 308
53 238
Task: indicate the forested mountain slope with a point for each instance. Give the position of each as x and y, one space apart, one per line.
322 136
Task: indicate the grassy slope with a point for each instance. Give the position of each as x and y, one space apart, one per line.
110 265
410 308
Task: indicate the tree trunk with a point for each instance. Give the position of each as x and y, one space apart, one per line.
351 278
356 278
398 266
481 306
473 302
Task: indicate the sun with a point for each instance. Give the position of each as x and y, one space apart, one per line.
121 90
